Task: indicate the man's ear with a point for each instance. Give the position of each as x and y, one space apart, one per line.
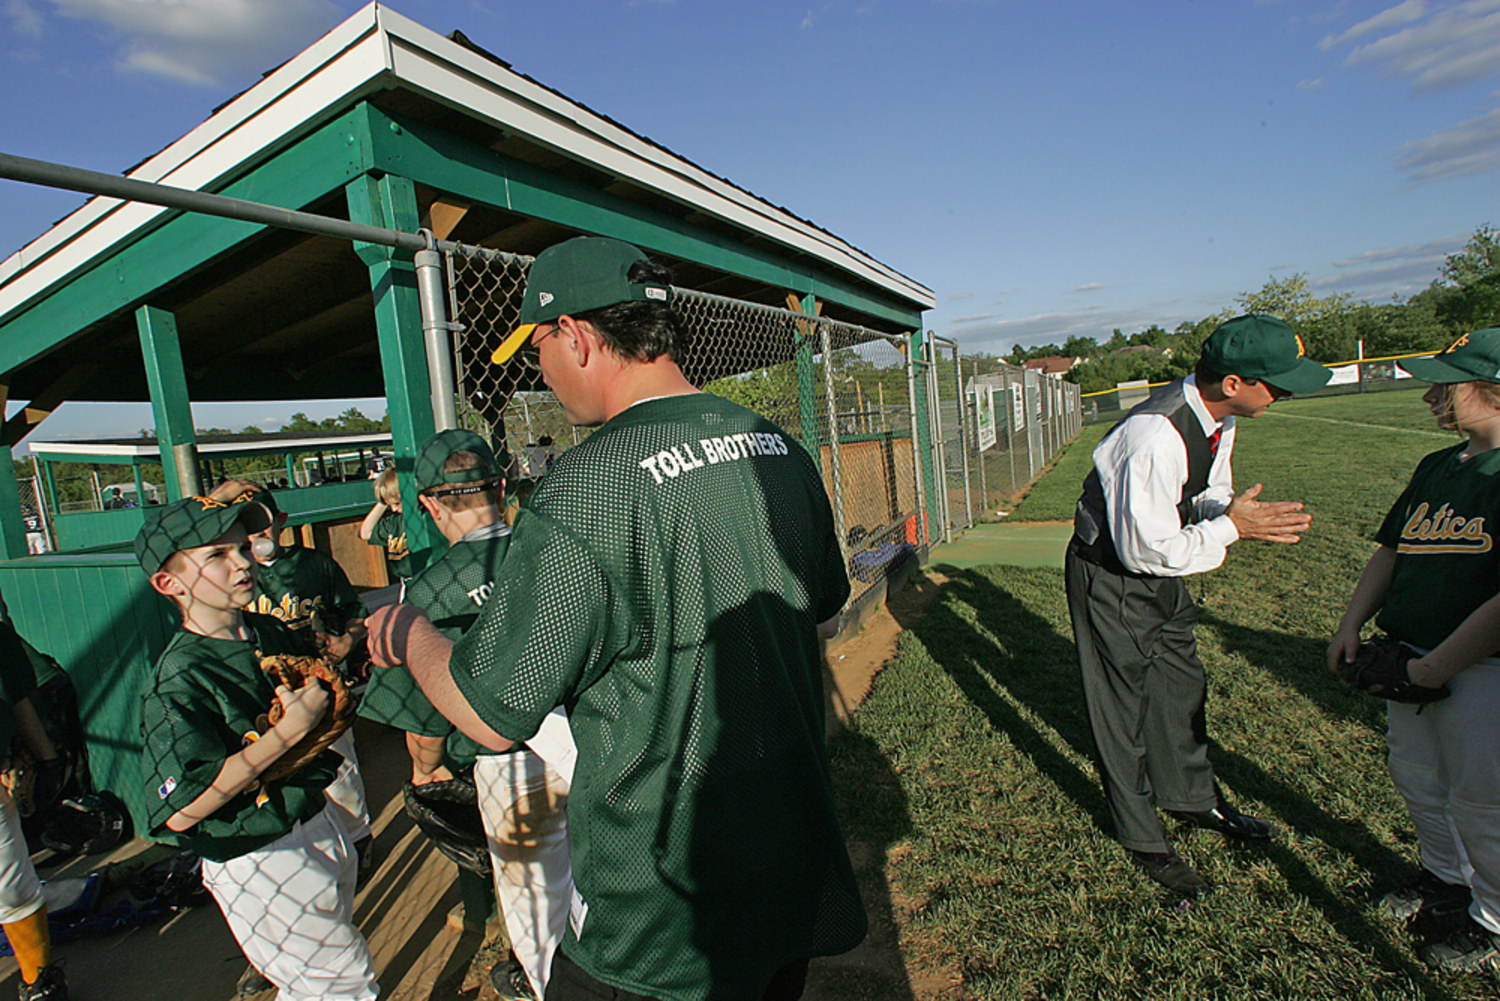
167 583
583 339
1231 385
431 506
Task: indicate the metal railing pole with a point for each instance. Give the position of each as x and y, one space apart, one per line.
916 455
834 456
437 338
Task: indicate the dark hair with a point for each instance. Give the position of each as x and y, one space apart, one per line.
641 330
1204 375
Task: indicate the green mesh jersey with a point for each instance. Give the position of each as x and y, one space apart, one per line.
1443 528
301 581
206 700
390 534
665 585
451 591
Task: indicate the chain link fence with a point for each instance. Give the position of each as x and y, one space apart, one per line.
902 474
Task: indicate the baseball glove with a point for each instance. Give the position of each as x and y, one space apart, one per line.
448 813
295 672
1379 669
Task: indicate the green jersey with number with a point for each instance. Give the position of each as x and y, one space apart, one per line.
451 591
207 701
301 582
665 586
1443 528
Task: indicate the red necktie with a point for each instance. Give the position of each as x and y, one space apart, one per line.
1213 440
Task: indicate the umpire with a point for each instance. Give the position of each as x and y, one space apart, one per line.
1160 505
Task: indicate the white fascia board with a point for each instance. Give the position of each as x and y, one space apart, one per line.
126 450
458 77
348 59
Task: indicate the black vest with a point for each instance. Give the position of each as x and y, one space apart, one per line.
1091 535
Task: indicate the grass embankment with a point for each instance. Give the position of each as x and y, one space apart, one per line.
968 769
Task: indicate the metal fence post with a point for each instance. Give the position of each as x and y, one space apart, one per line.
834 459
963 429
984 480
1010 425
916 455
935 425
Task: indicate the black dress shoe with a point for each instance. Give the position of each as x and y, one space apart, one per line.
1168 869
1229 822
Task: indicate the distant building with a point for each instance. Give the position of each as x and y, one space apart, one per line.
1052 365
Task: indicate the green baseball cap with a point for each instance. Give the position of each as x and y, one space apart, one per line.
1264 348
575 276
428 471
1474 357
261 496
191 522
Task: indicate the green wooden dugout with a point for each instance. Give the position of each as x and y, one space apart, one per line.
384 122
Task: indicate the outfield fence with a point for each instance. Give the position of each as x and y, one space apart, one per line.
911 443
1363 375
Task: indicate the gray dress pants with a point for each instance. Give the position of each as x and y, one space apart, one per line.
1145 690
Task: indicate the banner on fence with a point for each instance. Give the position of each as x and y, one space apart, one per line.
984 414
1018 407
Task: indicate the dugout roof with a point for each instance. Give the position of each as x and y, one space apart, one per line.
387 122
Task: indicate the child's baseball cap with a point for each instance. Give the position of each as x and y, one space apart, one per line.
191 522
435 451
262 496
1474 357
575 276
1264 348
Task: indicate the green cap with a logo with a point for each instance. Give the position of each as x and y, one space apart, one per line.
1264 348
189 523
435 452
1473 357
575 276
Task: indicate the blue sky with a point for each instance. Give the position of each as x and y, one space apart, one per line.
1047 167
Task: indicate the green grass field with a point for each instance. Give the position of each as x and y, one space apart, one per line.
967 774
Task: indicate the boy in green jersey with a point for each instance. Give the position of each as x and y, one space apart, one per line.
667 586
275 857
383 526
522 797
308 591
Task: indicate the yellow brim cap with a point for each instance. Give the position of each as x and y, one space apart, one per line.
512 344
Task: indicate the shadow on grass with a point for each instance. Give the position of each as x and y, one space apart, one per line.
1297 662
1037 667
872 808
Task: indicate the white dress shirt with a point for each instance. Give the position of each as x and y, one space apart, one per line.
1143 466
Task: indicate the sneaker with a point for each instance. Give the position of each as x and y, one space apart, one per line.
49 985
1472 947
251 983
1228 821
1428 896
510 981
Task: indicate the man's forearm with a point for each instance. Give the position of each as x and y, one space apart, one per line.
427 654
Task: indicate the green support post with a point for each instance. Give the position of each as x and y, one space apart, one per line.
291 471
391 201
51 482
140 485
922 433
175 437
807 384
12 525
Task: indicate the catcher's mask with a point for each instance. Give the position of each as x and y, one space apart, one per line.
448 813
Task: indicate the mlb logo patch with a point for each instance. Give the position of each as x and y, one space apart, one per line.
544 297
165 789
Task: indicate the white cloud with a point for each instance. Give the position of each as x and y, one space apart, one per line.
1378 275
1457 45
997 336
1470 147
975 318
958 296
1402 13
207 42
24 18
1090 287
1310 84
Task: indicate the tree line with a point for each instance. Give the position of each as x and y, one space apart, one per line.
1465 296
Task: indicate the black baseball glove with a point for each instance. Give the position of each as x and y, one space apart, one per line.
1379 669
448 813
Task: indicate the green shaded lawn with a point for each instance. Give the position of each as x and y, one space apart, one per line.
968 768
